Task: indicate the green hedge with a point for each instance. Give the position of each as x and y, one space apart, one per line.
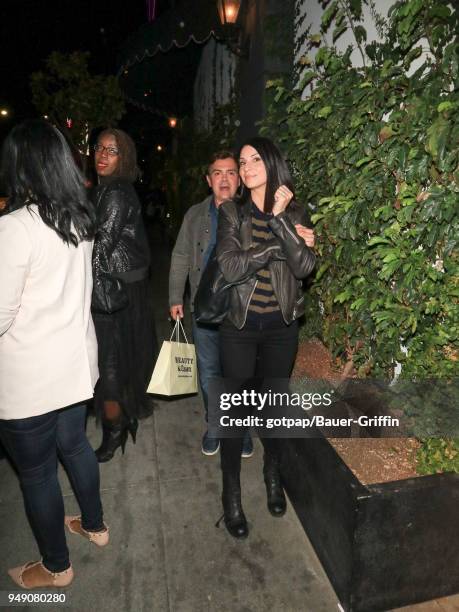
375 154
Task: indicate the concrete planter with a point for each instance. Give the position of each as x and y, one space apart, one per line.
382 545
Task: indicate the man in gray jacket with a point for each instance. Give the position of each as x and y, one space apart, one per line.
194 244
195 241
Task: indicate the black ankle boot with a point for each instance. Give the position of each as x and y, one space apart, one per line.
132 426
275 493
233 514
114 435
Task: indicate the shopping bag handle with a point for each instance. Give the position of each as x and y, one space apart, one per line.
177 327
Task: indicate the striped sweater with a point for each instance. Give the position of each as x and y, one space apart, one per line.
263 307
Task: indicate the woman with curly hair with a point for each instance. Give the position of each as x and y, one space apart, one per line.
124 325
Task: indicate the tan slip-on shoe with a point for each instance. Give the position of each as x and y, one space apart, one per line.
34 574
99 538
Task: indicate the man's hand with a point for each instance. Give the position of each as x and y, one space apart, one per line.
176 312
306 234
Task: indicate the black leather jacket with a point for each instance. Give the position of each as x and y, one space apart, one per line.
287 256
121 245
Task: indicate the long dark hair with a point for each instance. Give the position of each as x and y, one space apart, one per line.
38 168
127 161
276 170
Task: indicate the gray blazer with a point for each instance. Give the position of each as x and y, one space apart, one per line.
192 242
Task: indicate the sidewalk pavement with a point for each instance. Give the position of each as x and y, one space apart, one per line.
161 501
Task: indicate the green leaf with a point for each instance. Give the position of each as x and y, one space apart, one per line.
391 257
317 217
388 269
338 31
445 106
358 303
414 6
438 134
360 34
356 8
343 296
440 11
378 240
324 112
385 133
321 271
362 161
280 92
306 79
328 15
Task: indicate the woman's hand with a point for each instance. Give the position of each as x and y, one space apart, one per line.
282 199
306 234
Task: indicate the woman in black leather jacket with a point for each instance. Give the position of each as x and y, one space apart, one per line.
260 251
123 319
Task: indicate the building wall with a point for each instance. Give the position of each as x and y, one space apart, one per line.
309 14
313 11
269 27
251 76
214 84
268 30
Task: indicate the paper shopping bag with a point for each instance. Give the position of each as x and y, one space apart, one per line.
175 369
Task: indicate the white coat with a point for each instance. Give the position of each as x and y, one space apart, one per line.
48 346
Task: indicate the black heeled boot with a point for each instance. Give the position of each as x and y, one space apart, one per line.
277 504
114 435
132 426
233 514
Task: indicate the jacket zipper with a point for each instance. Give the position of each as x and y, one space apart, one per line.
290 231
265 251
248 303
279 299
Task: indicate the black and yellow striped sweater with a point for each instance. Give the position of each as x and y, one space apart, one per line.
263 307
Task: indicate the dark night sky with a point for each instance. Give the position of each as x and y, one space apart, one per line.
31 29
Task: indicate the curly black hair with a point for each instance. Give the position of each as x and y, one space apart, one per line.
127 162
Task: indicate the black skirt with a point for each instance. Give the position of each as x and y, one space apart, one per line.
128 349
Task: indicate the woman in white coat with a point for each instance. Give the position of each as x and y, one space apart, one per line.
48 349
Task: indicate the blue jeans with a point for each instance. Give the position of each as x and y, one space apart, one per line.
207 344
33 445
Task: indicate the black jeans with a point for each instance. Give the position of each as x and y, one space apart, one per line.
254 352
33 445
